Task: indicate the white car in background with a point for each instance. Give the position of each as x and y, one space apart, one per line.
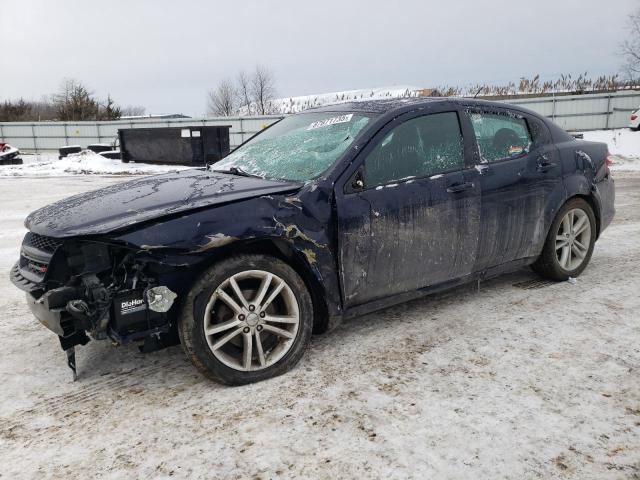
634 122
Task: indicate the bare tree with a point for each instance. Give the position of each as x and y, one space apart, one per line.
243 91
263 90
15 111
253 94
109 111
28 110
44 109
630 48
75 102
72 101
133 111
222 99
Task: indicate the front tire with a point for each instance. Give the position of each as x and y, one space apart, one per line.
569 245
246 319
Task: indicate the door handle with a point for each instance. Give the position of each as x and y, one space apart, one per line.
460 187
484 169
544 165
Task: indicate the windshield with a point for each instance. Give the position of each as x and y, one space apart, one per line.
298 148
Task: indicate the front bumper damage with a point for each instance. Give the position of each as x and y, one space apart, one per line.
52 319
48 316
84 289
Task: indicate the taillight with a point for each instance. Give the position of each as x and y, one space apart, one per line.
634 116
608 162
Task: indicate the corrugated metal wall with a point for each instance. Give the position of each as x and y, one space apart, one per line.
595 111
43 136
572 112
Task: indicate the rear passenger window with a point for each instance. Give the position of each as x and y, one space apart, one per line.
419 147
539 132
500 136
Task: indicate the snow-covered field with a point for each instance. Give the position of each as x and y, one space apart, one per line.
519 380
84 163
623 143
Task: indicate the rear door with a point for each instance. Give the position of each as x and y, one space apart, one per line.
518 173
407 218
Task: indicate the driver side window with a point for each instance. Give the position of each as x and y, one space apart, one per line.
419 147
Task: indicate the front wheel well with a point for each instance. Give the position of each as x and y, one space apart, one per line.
284 251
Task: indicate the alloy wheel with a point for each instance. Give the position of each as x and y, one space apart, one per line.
573 239
251 320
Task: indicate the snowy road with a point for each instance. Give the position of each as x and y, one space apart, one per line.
511 382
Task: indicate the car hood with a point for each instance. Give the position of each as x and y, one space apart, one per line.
119 206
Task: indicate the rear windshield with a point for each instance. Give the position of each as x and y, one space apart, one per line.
298 148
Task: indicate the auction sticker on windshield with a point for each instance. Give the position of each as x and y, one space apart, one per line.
330 121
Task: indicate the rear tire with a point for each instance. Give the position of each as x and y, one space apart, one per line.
252 333
566 252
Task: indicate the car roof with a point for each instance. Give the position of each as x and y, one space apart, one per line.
374 106
392 107
403 104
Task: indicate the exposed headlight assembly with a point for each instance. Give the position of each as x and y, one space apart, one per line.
160 299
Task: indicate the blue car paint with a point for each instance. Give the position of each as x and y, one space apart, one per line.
358 250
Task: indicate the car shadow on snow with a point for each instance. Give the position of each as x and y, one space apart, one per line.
98 361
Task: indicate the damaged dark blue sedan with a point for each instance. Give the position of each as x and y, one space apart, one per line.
331 213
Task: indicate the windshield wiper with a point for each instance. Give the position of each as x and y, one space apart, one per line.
237 171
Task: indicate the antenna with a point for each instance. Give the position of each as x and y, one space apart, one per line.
478 92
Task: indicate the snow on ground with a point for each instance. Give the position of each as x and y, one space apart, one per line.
510 382
84 163
623 143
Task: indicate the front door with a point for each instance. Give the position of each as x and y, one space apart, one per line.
407 219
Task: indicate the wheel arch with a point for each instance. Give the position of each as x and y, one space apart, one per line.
285 251
578 186
593 203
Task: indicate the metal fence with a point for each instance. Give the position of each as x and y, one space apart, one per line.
573 112
49 136
593 111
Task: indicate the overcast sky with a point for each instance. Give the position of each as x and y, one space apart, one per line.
165 55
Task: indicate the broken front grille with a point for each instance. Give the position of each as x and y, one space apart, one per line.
35 256
40 242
